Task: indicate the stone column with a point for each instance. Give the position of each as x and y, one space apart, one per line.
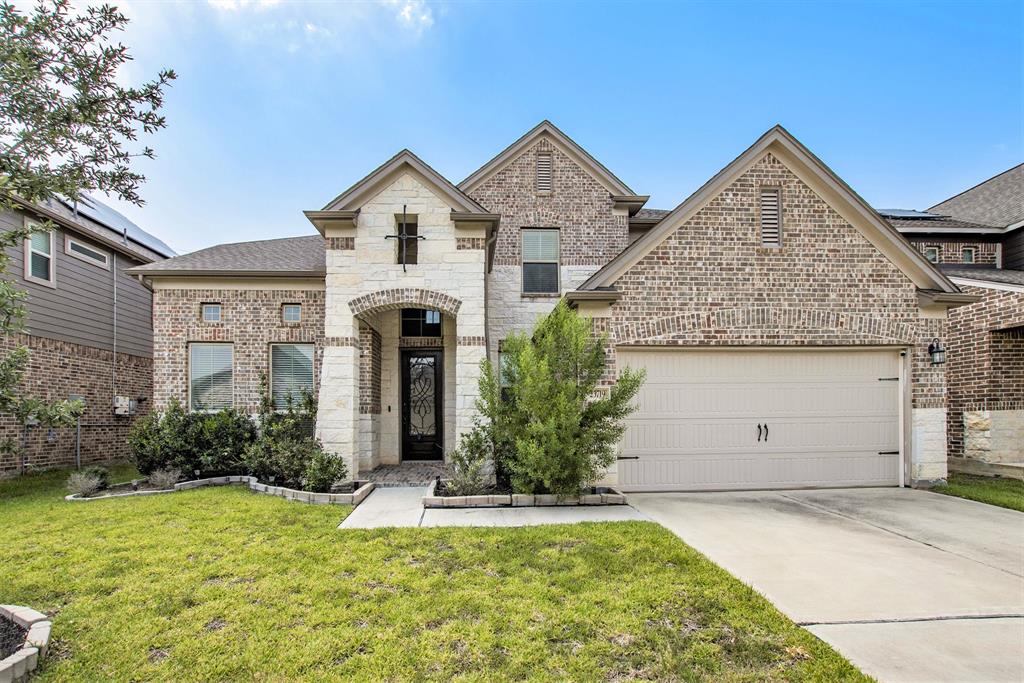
470 351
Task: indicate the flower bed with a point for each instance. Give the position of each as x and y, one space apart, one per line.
24 639
599 495
354 497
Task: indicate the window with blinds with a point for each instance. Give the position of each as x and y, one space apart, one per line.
291 372
540 261
39 257
771 217
544 172
211 384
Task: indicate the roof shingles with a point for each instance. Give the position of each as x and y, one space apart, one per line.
284 256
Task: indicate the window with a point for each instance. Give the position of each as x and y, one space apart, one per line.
211 313
80 250
211 384
967 255
291 372
771 217
544 172
291 313
421 322
932 254
540 261
39 257
412 245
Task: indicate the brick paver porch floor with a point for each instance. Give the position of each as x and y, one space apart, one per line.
407 474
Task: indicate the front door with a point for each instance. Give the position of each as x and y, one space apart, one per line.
422 414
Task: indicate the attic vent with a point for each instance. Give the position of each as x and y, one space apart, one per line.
771 218
544 172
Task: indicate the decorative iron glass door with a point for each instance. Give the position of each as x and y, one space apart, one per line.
422 400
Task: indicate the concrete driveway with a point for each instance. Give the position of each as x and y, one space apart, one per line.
908 585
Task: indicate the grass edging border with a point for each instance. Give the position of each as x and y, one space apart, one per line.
520 500
24 661
354 498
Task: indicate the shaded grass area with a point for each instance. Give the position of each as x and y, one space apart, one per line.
225 584
1007 493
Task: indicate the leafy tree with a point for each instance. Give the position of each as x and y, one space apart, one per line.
555 428
66 127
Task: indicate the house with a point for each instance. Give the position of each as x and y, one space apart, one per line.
977 239
784 325
88 329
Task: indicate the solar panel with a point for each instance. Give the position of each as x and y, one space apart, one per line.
96 210
908 213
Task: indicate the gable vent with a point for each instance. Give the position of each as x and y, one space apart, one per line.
771 217
544 172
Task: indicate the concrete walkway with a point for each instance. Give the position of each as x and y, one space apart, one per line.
402 507
908 585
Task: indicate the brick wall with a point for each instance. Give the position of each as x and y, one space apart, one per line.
985 358
251 320
985 253
58 369
369 370
712 283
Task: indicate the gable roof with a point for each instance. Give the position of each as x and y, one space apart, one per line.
283 257
820 177
564 143
998 201
354 197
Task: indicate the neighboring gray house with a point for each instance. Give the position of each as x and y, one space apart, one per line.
88 328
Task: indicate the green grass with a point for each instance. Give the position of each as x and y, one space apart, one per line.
1007 493
224 584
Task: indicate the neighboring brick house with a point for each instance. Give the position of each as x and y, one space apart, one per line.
977 239
784 324
88 329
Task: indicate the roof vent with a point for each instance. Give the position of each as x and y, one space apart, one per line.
544 172
771 223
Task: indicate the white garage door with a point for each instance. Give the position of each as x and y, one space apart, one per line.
755 419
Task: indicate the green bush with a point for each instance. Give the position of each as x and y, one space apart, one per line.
471 463
323 470
100 474
212 443
555 430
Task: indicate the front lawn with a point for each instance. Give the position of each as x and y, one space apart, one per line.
1007 493
224 584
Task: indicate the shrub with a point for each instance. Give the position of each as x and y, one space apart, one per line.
164 479
101 474
554 430
83 483
225 435
323 470
471 463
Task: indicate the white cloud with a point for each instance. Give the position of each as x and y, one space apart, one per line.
415 14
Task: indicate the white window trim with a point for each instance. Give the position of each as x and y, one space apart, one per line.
220 312
291 322
522 262
29 277
189 350
69 240
974 254
938 254
270 374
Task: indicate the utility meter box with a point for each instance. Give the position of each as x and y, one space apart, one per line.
123 405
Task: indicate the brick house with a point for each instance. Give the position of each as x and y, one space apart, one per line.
88 329
977 239
784 324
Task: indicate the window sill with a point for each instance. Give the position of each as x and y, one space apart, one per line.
540 295
52 284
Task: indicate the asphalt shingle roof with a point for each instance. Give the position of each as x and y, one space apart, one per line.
998 201
652 213
944 224
1002 275
287 255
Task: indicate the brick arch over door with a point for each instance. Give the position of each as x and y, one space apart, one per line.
392 299
768 324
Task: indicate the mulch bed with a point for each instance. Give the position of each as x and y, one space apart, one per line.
126 488
442 490
12 637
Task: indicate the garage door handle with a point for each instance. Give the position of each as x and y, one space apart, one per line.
766 432
759 432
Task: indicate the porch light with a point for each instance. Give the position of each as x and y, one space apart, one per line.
937 352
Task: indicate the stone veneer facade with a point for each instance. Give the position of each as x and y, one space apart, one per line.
58 369
986 378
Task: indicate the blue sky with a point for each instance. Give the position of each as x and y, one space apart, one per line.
279 105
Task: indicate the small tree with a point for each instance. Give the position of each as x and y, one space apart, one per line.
555 429
65 129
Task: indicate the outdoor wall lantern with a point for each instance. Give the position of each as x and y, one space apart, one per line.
936 351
